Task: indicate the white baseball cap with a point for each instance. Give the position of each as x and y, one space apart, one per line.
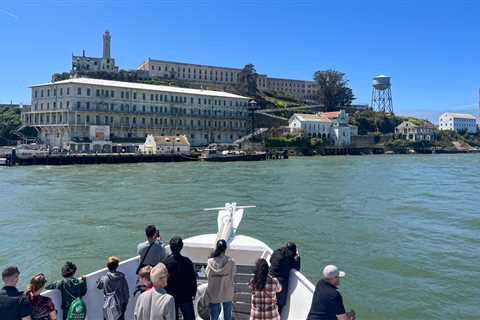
331 271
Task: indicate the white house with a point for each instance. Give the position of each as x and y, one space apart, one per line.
457 122
165 145
327 125
412 132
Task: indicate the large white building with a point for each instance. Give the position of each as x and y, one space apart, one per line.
84 114
225 77
331 126
457 122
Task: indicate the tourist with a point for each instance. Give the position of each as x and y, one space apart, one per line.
264 289
282 261
42 307
151 251
13 304
115 291
156 304
70 287
144 283
182 281
327 302
221 271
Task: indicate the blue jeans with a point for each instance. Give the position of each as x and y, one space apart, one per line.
214 309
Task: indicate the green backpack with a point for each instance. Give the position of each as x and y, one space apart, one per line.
77 310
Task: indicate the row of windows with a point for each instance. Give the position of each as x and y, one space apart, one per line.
104 107
57 118
202 73
143 96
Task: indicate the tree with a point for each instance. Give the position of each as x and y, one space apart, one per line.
247 81
10 120
333 91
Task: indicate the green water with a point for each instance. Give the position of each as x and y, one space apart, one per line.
406 229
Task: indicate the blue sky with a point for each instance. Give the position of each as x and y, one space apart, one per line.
430 48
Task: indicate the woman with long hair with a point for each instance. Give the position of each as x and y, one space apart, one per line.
42 307
264 289
221 271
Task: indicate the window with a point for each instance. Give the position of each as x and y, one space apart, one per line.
79 91
112 93
78 105
88 91
143 96
48 92
134 96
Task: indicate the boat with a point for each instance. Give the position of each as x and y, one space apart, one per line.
245 250
227 153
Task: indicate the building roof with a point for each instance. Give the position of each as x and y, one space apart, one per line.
142 86
330 115
311 117
413 125
172 140
459 115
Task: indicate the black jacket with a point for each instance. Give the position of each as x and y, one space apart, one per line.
280 264
182 280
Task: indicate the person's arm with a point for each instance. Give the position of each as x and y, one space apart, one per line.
53 315
193 279
278 286
297 261
25 310
53 285
83 286
27 318
126 291
339 308
100 283
170 313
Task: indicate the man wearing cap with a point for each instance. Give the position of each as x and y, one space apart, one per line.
282 261
13 304
327 302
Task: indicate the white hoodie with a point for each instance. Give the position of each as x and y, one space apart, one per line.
221 279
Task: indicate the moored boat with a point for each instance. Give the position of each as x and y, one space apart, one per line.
225 153
243 249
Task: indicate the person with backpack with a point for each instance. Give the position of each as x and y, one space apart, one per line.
13 304
115 291
152 251
42 307
182 281
72 290
221 270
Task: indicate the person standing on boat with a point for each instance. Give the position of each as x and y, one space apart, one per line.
42 307
144 283
264 289
182 282
221 270
115 291
13 304
283 260
70 287
151 251
327 302
156 304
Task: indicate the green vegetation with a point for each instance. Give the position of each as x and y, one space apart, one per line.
10 120
333 91
247 81
305 144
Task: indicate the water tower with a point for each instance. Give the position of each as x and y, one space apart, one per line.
382 94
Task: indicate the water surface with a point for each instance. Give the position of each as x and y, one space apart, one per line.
406 229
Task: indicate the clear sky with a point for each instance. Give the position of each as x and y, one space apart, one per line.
430 48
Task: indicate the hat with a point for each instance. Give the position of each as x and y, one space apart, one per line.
331 271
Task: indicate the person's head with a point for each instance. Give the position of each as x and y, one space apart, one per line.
144 276
151 232
36 284
260 275
112 263
69 269
332 275
159 276
220 248
291 249
10 276
176 245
